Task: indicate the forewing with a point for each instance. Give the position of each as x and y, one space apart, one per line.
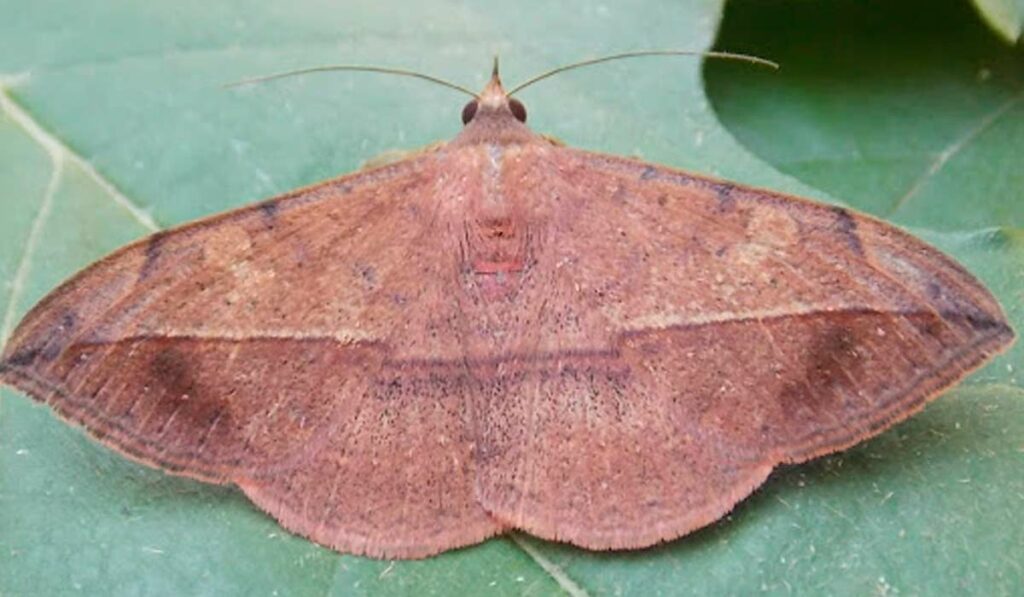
717 331
259 347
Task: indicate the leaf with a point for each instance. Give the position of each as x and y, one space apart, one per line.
134 90
901 109
1006 17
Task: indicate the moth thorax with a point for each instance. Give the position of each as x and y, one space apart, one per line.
497 245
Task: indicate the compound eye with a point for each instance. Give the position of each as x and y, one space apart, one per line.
469 111
518 109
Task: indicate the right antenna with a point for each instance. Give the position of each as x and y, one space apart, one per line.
640 53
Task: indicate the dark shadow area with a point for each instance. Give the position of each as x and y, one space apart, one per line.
909 110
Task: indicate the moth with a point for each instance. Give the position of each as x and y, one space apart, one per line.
502 332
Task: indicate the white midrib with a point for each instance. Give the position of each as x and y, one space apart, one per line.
60 155
570 586
984 123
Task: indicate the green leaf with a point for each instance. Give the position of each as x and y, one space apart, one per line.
1006 17
114 121
909 110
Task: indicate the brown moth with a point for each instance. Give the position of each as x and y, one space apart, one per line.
504 333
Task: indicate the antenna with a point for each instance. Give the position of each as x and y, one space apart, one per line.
638 54
355 68
417 75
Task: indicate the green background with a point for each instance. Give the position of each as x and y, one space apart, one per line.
113 123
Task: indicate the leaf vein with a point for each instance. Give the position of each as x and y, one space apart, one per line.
59 151
28 251
954 148
556 572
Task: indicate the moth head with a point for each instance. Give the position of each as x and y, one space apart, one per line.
494 100
515 106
